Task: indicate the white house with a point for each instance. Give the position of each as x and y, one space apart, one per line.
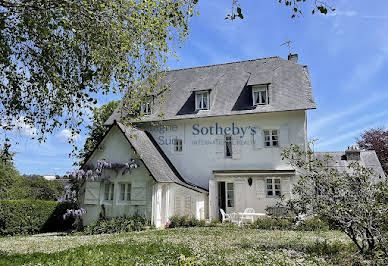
213 142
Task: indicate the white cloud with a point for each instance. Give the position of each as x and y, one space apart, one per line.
24 128
66 135
344 13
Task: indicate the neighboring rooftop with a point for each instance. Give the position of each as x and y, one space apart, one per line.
230 89
341 160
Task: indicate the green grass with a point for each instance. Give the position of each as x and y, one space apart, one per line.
209 246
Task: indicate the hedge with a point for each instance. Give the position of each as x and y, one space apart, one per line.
32 216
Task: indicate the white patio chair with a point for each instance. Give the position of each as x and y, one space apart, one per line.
225 217
234 218
246 215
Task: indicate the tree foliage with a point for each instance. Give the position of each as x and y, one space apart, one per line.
355 201
97 129
318 6
57 56
376 139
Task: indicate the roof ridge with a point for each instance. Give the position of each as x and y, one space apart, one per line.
228 63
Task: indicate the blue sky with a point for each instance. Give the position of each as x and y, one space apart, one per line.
346 52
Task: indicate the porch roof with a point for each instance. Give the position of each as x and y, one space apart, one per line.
254 172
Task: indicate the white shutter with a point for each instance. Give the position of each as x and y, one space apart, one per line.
213 200
258 139
283 136
285 186
220 153
260 188
138 193
239 196
187 204
177 204
236 147
92 192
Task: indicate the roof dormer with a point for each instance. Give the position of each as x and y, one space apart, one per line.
202 99
260 94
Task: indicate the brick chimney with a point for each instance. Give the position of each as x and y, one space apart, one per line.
352 153
293 58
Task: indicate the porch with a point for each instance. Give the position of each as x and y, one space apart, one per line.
235 190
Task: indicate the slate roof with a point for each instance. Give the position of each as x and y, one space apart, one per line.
154 158
230 89
367 159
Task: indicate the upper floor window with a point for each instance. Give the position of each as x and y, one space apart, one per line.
228 146
109 190
202 100
273 187
178 145
125 192
271 138
146 107
260 94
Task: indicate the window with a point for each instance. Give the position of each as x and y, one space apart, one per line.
145 107
109 189
271 138
125 192
178 145
260 95
229 194
228 146
202 100
273 187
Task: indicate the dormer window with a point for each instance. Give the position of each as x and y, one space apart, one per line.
145 107
260 94
202 100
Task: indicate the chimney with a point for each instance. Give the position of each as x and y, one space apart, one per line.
352 153
293 58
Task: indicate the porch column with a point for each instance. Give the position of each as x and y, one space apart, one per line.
158 205
213 200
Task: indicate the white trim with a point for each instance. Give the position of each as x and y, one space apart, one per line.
202 93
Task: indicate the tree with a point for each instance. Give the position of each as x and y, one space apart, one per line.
57 56
355 201
97 129
319 6
376 139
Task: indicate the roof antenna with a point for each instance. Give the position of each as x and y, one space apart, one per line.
288 43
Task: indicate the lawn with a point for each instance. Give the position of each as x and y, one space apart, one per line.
211 245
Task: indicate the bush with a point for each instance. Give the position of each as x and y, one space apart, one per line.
269 223
185 221
25 216
56 223
312 224
117 225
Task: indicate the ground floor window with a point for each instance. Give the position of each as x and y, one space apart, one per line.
125 192
109 189
273 187
229 194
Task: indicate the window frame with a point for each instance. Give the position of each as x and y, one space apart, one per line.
127 191
201 94
226 141
110 194
273 188
146 107
177 145
271 138
227 198
259 89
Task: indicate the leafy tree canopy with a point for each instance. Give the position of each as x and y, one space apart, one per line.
376 139
97 129
56 56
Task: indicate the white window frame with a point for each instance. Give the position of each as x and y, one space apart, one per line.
273 185
227 195
127 193
177 145
146 107
272 138
199 104
259 89
110 195
228 140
